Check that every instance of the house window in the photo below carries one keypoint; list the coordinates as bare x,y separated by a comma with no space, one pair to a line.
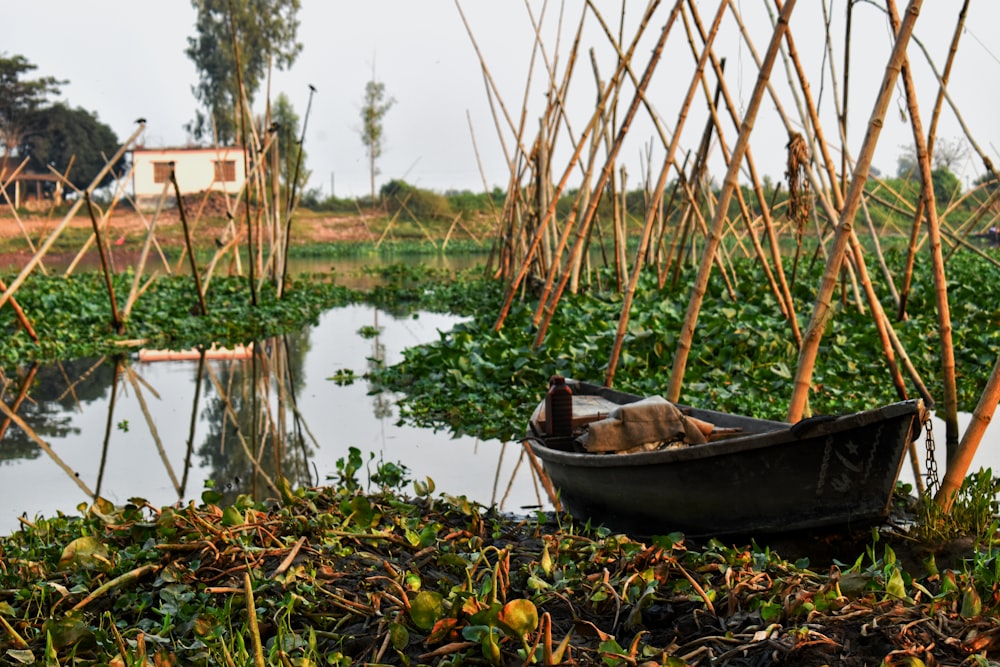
161,172
225,170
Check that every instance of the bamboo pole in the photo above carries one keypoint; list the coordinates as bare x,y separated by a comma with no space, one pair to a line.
937,258
13,207
116,320
19,312
105,220
730,183
981,418
108,425
188,243
822,309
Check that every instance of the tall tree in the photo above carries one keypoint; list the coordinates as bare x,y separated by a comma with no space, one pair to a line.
20,98
372,112
265,34
62,134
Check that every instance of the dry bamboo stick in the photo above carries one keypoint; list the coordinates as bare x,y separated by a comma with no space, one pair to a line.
822,309
647,230
19,312
946,74
234,417
188,243
981,418
116,320
816,126
144,254
730,183
937,258
108,424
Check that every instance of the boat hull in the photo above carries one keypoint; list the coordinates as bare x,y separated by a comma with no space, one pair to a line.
773,478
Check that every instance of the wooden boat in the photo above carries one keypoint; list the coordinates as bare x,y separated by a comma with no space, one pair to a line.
763,477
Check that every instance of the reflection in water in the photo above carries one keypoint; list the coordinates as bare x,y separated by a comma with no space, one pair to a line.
160,431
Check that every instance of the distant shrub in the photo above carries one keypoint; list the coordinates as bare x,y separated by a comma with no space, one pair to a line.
415,203
313,200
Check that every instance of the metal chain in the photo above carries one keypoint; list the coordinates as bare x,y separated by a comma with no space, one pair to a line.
933,483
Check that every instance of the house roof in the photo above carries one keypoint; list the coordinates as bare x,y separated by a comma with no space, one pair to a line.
187,149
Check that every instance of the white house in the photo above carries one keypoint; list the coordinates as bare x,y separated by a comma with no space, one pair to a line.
197,169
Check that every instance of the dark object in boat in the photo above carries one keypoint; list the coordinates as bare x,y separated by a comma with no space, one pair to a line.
764,477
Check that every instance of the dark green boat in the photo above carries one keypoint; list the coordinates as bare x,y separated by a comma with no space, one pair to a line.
762,477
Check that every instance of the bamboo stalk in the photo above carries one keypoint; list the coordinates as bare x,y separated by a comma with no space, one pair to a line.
116,320
822,309
188,243
730,183
781,294
108,425
937,258
19,312
958,466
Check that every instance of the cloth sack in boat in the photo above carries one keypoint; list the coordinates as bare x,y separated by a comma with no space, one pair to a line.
651,421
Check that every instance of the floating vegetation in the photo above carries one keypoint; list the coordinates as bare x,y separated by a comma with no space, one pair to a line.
339,576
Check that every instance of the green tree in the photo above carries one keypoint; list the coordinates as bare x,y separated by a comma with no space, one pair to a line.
20,98
63,134
946,186
373,110
265,32
289,142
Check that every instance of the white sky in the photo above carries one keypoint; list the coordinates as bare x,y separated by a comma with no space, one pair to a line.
125,59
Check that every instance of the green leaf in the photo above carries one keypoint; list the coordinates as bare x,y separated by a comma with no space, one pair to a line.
232,517
972,606
426,609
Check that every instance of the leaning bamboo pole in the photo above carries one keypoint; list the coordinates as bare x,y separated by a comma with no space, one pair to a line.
19,312
188,243
981,418
937,258
823,309
116,319
686,334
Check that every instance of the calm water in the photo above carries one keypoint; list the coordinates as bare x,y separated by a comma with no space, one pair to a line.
161,440
152,433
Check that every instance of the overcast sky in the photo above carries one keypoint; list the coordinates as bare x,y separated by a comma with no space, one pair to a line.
125,59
